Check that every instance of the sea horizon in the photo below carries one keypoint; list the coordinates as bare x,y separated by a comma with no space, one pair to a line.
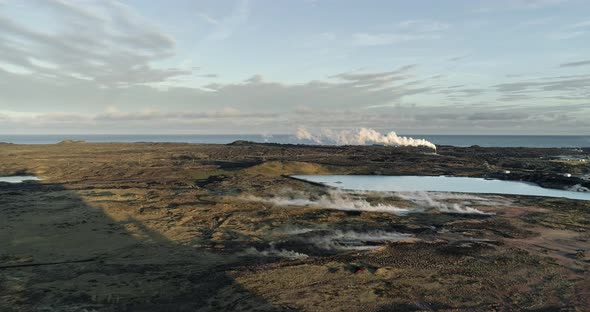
459,140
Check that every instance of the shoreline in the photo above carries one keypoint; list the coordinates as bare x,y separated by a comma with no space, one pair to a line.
548,175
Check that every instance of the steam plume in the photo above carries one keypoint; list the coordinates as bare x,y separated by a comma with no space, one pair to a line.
346,201
347,240
362,136
424,199
335,199
273,252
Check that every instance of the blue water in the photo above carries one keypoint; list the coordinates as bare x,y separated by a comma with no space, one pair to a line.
439,184
455,140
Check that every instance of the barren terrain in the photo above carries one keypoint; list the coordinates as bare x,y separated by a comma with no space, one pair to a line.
186,227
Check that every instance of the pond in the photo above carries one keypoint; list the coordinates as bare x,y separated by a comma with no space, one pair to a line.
18,179
438,184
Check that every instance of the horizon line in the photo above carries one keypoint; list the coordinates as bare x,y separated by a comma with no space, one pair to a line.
267,135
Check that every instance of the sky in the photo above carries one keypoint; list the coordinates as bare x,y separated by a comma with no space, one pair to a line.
270,67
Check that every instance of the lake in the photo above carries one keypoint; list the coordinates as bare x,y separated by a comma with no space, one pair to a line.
439,184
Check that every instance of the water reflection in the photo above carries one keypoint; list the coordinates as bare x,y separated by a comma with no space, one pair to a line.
439,184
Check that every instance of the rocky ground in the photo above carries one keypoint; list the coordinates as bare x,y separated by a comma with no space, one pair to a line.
180,227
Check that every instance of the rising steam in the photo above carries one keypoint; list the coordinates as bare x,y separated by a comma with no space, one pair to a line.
346,201
272,252
362,136
424,199
327,240
353,240
335,199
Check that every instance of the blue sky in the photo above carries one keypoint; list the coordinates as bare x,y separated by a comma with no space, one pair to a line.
262,66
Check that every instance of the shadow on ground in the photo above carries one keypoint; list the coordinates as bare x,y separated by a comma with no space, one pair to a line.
60,253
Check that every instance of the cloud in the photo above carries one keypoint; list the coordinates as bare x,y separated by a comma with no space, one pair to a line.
583,24
506,115
458,58
572,83
377,39
376,79
226,26
571,31
405,31
417,119
535,22
423,26
565,35
491,117
208,19
106,42
342,91
534,4
503,5
461,92
125,119
209,76
396,99
146,115
575,64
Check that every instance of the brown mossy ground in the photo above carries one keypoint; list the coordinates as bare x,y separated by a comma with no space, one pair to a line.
174,227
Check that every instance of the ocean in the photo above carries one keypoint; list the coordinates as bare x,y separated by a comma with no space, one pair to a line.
455,140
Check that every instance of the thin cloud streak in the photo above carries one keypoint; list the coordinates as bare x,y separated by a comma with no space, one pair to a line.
575,64
104,42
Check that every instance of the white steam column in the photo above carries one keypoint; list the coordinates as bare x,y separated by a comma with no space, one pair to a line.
362,136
